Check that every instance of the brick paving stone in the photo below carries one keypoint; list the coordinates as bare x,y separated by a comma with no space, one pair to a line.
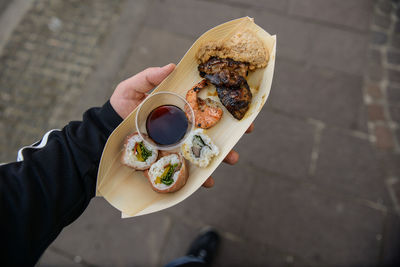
390,163
393,76
349,56
101,238
313,92
349,165
385,6
375,72
381,21
284,145
384,137
395,41
334,11
375,55
188,17
374,91
378,38
397,134
289,31
376,112
322,229
393,95
397,27
222,206
395,114
393,57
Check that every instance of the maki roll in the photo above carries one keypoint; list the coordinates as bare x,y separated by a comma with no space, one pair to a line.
199,149
168,174
137,154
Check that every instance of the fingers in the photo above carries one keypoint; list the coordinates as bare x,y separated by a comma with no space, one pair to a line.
232,158
250,129
149,78
209,182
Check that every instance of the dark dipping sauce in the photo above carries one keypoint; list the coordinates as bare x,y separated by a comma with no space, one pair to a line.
166,125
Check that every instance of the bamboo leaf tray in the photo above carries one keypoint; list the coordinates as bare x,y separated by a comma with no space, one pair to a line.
128,190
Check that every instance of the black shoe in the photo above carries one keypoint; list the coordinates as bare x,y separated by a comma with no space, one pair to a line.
205,246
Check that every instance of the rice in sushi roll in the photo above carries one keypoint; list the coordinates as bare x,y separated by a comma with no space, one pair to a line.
168,174
137,154
199,149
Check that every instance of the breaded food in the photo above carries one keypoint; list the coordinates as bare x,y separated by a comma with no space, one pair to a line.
137,154
199,149
244,46
168,174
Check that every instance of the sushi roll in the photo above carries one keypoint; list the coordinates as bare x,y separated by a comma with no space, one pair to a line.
168,174
199,149
137,154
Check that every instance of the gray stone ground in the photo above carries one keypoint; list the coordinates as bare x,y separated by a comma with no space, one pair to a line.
321,191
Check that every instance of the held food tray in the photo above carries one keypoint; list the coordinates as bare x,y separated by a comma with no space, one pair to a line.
128,190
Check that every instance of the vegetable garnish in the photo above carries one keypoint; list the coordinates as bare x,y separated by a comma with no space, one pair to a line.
198,144
141,152
166,177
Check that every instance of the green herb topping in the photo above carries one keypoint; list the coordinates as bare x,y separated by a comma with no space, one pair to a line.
141,152
166,177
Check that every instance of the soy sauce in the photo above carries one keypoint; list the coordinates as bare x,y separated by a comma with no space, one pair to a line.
166,125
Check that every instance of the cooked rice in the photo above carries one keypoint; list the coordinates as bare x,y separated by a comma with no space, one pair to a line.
157,169
130,158
207,152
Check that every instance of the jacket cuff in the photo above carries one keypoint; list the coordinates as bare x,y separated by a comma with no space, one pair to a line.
109,117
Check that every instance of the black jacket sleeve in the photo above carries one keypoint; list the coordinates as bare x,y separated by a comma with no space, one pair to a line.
51,186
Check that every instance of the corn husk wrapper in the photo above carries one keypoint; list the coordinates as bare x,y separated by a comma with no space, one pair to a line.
128,190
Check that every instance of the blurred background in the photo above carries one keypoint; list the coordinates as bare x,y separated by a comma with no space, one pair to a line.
318,181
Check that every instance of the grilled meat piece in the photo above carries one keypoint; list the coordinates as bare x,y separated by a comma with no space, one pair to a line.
236,101
228,76
224,72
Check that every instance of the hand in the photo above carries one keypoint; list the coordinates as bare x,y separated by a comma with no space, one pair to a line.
131,92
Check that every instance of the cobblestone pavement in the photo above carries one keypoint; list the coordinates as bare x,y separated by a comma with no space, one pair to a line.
46,61
324,188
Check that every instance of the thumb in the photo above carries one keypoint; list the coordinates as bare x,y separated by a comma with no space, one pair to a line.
149,78
157,75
